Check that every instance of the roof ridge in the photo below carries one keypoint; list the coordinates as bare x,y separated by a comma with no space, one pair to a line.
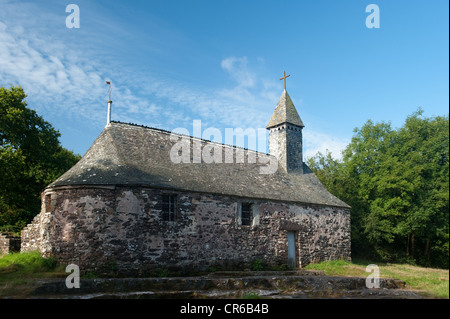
190,136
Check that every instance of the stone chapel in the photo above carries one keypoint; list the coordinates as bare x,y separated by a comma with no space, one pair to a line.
126,205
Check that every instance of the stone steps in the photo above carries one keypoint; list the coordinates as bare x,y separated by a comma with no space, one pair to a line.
293,284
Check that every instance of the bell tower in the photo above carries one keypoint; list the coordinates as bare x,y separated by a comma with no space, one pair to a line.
285,134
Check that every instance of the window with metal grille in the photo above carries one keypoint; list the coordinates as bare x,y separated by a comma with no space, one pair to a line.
169,212
246,214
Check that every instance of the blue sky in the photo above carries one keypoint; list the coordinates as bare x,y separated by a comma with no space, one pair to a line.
172,62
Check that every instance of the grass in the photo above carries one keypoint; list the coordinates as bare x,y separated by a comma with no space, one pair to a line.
251,295
26,263
18,271
428,282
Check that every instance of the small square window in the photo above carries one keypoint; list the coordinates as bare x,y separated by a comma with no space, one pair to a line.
169,211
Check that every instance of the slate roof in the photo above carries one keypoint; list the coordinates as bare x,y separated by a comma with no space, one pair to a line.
285,112
128,154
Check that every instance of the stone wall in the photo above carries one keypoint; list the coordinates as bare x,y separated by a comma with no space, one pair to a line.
35,235
121,229
9,243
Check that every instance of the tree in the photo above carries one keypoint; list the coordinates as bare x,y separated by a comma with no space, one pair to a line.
397,184
30,158
425,146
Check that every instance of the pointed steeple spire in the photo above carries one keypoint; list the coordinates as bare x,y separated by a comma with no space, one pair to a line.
285,134
285,112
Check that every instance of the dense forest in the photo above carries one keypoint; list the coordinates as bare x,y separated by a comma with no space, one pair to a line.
397,183
31,157
395,180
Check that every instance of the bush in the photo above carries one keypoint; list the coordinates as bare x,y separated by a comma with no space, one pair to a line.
258,265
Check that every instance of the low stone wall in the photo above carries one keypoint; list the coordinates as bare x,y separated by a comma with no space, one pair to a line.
121,230
277,284
9,243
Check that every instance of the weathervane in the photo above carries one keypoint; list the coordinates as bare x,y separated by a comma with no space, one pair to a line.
284,78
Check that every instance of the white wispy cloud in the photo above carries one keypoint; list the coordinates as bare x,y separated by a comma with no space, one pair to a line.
67,81
315,142
237,67
51,79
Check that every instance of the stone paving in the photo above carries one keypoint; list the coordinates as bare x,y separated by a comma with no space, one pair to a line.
300,284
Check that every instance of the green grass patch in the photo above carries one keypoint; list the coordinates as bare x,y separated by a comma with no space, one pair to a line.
336,268
18,271
26,263
429,282
251,295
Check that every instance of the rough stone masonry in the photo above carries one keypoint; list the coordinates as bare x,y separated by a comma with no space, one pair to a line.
125,206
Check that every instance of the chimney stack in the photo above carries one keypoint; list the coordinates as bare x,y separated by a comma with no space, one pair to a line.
108,120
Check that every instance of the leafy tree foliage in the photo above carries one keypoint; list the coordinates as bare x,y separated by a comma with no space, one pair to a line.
31,157
397,183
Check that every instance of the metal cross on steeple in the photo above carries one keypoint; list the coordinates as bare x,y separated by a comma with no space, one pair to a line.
284,78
